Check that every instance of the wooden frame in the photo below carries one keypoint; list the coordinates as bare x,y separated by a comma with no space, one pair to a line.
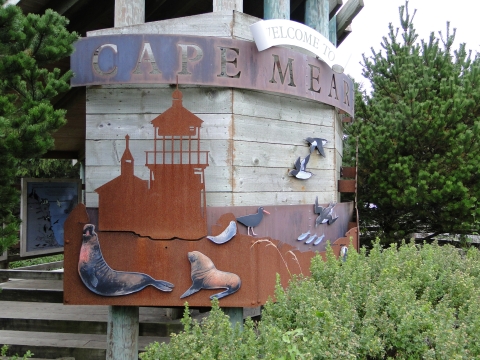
45,205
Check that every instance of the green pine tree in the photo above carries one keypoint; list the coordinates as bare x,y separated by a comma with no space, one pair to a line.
28,47
419,136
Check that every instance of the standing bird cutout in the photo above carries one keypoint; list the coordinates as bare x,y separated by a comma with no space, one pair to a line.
316,143
325,215
252,220
300,171
101,279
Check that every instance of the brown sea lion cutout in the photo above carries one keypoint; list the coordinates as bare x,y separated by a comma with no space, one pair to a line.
206,276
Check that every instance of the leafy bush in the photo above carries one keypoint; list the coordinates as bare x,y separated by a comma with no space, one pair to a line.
408,302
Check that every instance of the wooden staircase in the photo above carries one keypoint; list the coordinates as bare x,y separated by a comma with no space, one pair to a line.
33,317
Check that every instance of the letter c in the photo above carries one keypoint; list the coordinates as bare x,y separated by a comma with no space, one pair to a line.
96,54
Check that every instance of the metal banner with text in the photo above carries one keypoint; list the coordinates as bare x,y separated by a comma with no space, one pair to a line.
209,61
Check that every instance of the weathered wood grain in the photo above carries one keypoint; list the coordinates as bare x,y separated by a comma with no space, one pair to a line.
277,180
317,15
116,126
279,155
31,274
252,199
129,12
276,9
109,152
155,100
251,128
220,5
346,14
287,108
210,24
221,153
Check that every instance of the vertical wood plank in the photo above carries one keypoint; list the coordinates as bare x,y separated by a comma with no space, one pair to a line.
122,333
276,9
333,31
129,12
317,15
220,5
236,316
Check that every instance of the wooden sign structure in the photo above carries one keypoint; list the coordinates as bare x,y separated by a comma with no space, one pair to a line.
158,229
214,155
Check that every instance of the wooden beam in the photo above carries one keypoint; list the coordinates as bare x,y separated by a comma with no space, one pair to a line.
344,35
334,6
122,333
317,16
346,14
276,9
129,12
220,5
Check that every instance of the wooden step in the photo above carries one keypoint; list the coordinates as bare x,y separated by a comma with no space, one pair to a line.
54,345
33,290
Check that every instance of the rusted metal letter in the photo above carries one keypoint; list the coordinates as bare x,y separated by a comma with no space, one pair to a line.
224,61
96,68
146,55
185,59
333,86
314,78
289,68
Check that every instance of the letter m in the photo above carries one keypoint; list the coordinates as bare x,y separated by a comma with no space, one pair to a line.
289,68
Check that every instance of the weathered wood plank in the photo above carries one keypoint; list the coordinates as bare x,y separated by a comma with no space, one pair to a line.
109,152
346,14
276,9
277,180
334,6
31,274
116,126
221,5
122,333
268,155
265,105
317,15
251,128
215,24
246,153
217,178
241,25
129,12
155,100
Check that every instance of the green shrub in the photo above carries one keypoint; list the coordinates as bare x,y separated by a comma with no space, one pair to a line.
408,302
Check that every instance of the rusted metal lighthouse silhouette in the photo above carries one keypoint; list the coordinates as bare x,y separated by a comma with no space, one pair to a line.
174,203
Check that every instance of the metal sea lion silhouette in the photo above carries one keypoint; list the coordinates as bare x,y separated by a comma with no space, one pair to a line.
99,278
206,276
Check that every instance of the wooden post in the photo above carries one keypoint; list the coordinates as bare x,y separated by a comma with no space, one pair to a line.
219,5
236,316
129,12
122,333
333,31
317,15
276,9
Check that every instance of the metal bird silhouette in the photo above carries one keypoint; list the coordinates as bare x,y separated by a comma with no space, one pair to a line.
325,214
252,220
300,171
316,143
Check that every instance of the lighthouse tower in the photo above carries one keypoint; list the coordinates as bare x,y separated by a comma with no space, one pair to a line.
177,181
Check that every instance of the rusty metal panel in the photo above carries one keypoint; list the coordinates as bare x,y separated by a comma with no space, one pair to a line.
154,59
172,204
348,172
256,260
347,186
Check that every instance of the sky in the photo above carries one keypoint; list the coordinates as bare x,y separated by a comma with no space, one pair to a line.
371,24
